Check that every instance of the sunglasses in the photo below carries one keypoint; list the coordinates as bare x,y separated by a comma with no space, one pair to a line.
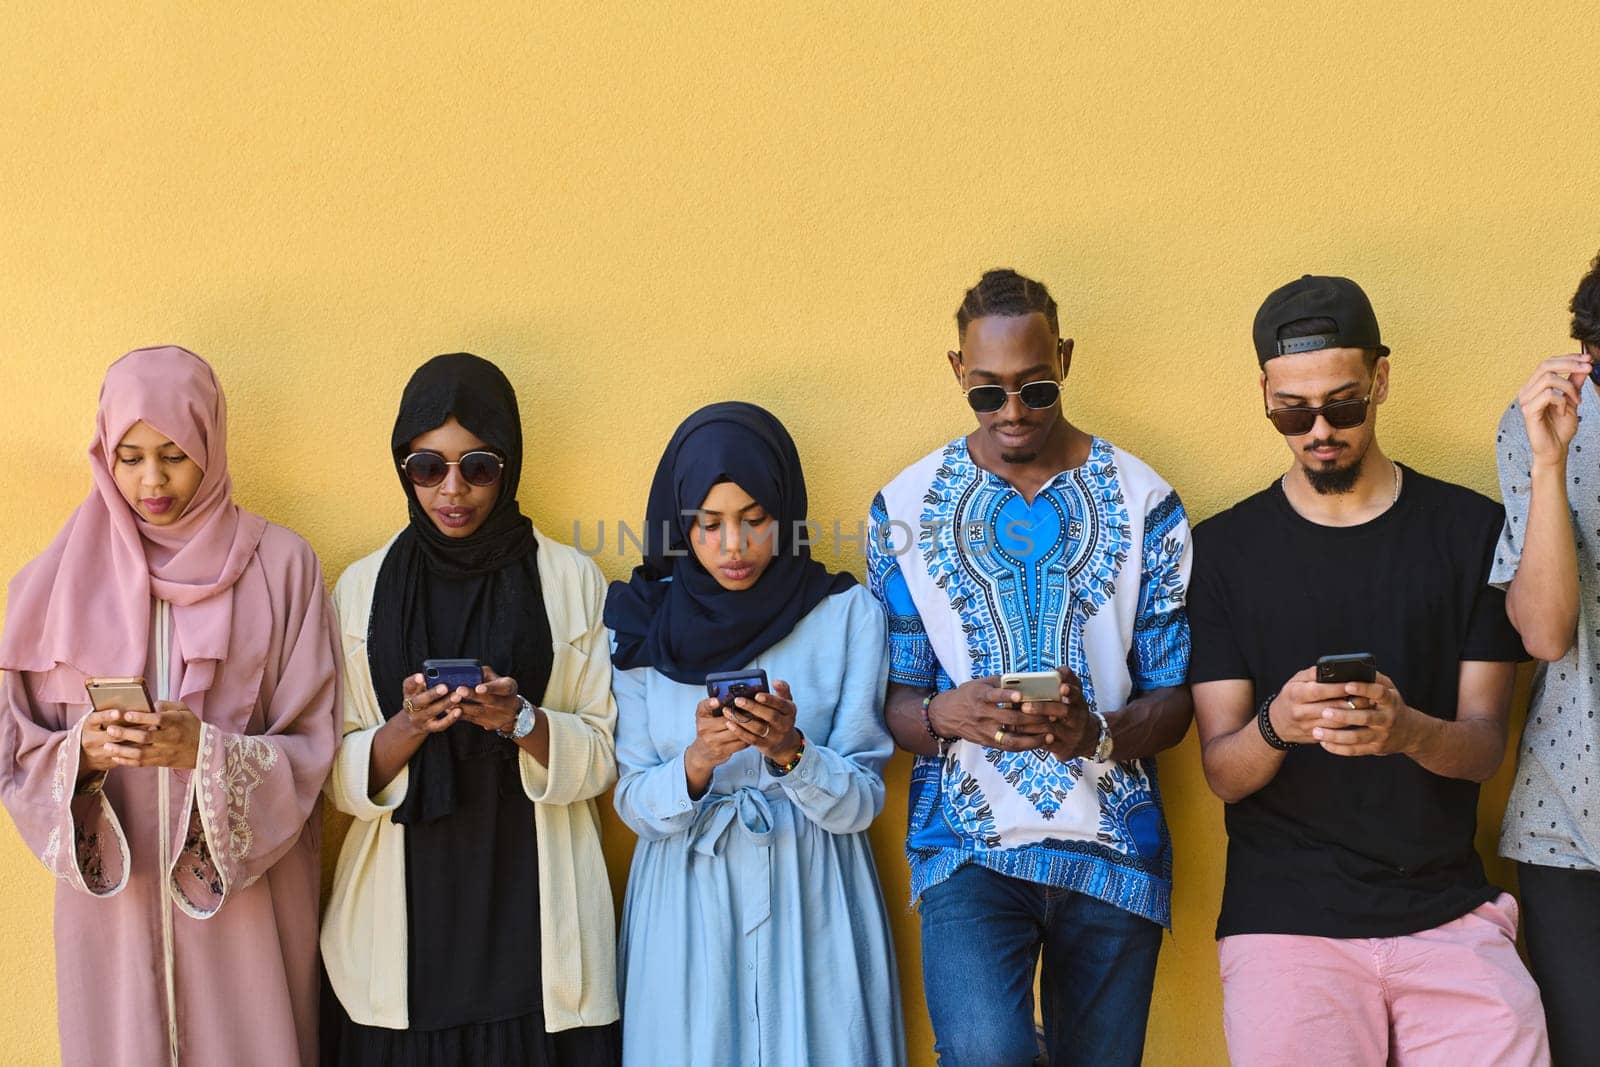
1341,415
986,399
428,469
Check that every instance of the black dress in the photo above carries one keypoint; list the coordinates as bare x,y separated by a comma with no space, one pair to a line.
474,995
472,901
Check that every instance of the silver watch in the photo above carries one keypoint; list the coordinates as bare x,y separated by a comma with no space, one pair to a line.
1102,748
527,718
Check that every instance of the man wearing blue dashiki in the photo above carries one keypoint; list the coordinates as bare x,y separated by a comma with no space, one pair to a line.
1036,825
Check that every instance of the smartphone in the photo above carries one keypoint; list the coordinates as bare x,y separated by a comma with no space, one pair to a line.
1347,667
1033,685
128,694
454,673
728,686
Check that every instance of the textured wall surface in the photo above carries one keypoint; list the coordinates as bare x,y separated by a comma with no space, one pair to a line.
639,212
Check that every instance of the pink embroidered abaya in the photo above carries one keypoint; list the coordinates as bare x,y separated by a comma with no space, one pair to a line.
186,901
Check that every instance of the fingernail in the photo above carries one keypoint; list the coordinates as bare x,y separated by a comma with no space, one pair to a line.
1317,734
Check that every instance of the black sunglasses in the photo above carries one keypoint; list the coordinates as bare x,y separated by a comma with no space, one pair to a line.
1341,415
1036,395
428,469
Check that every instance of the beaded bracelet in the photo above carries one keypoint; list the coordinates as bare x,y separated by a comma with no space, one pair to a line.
927,723
781,769
1264,724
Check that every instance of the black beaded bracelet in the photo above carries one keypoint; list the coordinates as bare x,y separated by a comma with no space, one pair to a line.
1264,721
780,769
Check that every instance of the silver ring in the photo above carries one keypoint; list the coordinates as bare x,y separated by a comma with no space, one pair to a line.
1350,701
767,731
1003,704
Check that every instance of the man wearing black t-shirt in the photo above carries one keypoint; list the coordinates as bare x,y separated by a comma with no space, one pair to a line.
1357,925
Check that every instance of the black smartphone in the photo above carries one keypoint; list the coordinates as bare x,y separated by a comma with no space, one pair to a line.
1347,667
454,673
728,686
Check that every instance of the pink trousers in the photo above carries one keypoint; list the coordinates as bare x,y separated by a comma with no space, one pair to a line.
1456,996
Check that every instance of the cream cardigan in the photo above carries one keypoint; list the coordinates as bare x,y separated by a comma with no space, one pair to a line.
364,929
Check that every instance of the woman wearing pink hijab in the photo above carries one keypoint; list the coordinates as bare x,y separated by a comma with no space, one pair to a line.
186,838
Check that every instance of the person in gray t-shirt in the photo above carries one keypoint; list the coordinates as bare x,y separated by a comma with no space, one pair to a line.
1548,561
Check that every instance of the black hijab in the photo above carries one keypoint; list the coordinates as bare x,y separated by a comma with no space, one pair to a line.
474,597
672,614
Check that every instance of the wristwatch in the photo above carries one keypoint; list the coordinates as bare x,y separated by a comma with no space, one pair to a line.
527,719
1102,748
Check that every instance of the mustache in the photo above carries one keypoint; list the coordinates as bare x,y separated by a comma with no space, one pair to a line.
1329,443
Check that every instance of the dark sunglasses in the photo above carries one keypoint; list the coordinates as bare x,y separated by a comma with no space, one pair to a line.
1341,415
990,398
428,469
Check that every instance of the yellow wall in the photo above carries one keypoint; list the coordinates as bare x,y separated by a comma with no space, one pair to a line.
642,211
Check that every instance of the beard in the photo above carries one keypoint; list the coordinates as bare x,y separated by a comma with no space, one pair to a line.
1332,481
1019,457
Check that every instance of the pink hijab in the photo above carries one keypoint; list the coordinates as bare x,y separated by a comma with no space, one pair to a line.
85,603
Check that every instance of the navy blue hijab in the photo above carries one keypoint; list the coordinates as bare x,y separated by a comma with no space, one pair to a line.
672,614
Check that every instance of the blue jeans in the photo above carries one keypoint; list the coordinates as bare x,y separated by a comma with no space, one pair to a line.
982,934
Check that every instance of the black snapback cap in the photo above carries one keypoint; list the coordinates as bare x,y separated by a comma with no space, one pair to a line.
1317,297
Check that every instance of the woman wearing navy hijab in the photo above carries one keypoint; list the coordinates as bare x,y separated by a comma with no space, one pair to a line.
754,929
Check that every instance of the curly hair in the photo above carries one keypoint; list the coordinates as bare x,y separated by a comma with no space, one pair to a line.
1585,306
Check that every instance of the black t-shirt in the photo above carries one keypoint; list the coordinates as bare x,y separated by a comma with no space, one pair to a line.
1342,846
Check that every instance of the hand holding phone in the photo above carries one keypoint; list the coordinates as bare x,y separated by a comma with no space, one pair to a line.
728,686
127,730
1065,714
1033,685
124,694
1373,719
424,709
454,673
107,726
1347,667
496,703
714,744
1315,699
767,722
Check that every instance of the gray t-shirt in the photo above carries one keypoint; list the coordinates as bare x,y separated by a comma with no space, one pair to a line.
1553,816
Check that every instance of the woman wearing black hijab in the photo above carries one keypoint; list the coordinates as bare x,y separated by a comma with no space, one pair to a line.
754,929
471,917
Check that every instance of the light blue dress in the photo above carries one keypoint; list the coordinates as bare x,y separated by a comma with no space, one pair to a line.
754,930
